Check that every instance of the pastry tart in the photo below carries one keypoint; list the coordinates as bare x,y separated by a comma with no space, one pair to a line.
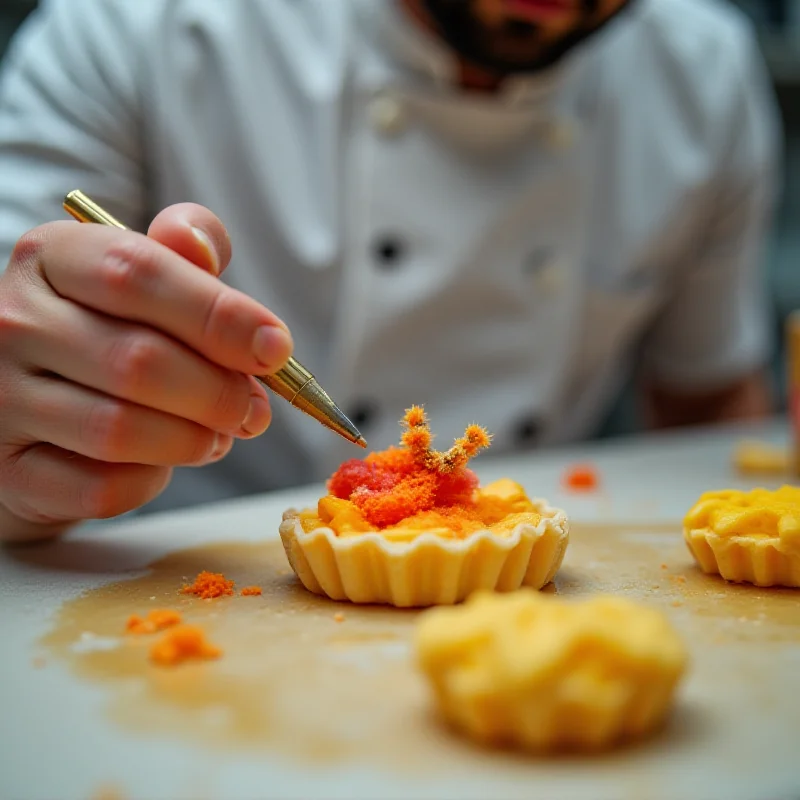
539,673
410,526
751,537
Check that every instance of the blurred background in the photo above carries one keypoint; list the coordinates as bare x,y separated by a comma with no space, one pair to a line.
778,24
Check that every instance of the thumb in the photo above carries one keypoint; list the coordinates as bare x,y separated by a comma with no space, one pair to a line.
193,232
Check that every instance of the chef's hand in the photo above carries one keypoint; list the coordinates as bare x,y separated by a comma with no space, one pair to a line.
120,359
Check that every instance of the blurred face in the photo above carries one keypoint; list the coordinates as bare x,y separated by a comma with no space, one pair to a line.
507,36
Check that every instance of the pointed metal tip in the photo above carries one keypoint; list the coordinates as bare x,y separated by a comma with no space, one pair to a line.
361,442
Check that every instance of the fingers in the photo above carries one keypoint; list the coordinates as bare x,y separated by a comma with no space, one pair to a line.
193,232
47,484
130,276
142,366
115,431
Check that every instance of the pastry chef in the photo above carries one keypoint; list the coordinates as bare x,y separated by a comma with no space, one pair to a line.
497,208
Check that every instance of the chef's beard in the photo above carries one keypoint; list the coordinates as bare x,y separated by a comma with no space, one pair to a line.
487,48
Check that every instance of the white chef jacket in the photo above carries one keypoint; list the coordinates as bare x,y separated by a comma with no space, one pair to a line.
499,258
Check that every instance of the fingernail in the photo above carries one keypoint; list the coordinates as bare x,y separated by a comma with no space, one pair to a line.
222,446
272,346
208,246
258,416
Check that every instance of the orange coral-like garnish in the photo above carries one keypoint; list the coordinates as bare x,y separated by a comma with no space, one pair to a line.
397,483
208,585
156,620
417,438
251,591
181,643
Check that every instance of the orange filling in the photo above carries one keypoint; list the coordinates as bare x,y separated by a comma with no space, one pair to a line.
407,490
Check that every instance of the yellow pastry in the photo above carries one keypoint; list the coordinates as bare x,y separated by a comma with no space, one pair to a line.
761,458
544,674
411,526
751,537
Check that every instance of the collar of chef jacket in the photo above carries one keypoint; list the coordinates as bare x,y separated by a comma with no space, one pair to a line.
416,49
532,123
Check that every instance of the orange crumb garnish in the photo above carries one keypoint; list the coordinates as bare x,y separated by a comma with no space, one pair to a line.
251,591
108,793
676,603
155,620
663,566
677,578
581,477
208,585
338,617
181,643
397,483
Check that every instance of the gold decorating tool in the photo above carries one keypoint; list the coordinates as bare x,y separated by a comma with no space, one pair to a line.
293,382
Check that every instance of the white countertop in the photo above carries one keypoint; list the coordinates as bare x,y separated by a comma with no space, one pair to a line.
57,742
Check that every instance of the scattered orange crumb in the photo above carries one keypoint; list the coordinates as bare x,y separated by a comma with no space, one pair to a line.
663,566
677,578
251,591
581,478
208,585
156,620
181,643
676,603
38,662
338,617
108,793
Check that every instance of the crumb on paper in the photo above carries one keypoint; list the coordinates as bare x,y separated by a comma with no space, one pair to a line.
181,643
676,603
154,621
663,566
38,662
677,578
208,585
752,457
338,617
581,478
108,792
251,591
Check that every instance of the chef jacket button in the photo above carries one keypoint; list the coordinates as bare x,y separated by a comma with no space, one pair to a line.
388,114
527,431
388,251
551,277
545,269
537,260
363,413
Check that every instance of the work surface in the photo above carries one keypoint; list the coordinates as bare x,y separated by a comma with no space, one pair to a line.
305,703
